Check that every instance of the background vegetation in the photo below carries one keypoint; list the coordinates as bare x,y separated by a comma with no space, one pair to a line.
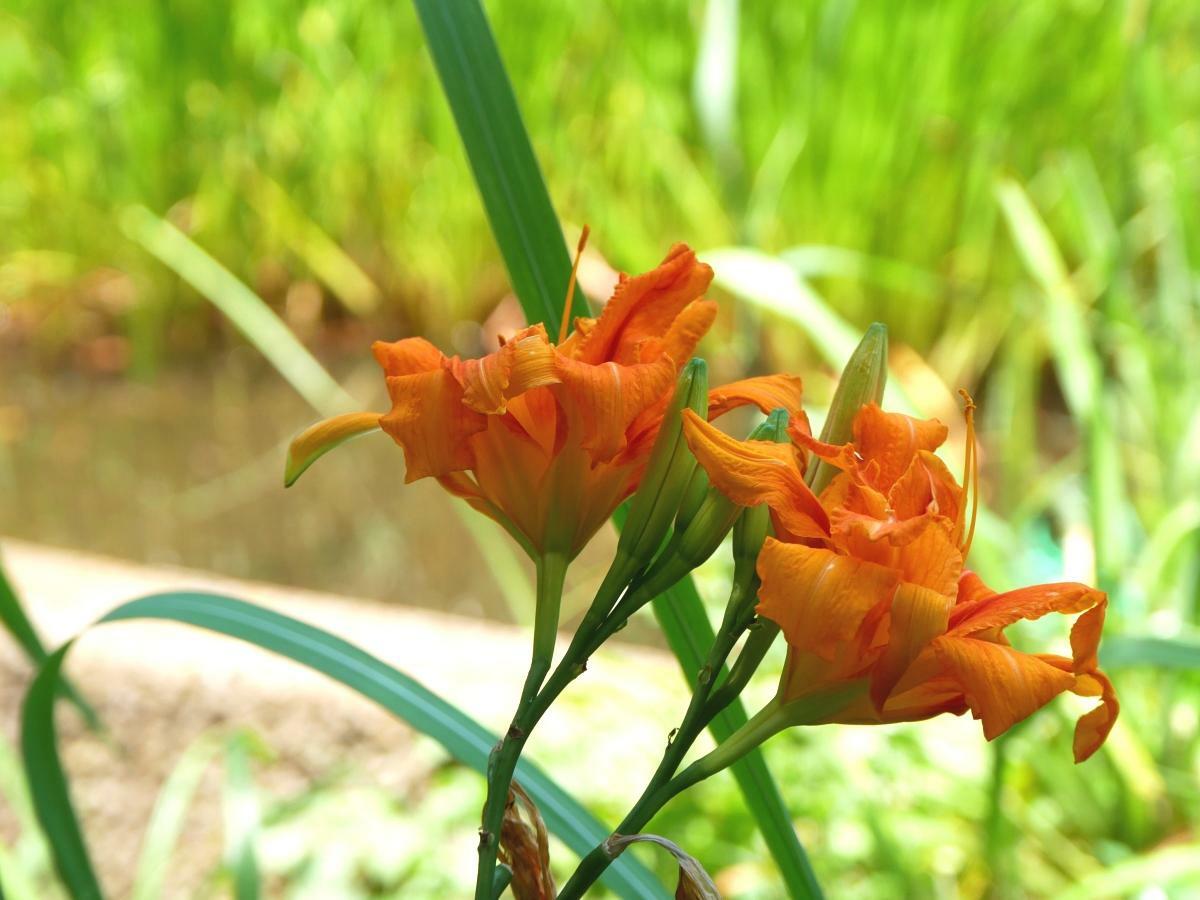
1012,187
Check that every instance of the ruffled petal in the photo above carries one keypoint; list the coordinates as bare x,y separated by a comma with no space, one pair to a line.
1032,602
407,357
537,412
1085,636
843,456
754,472
925,487
644,307
818,598
687,330
607,398
971,590
918,615
430,421
892,440
767,392
524,362
1002,686
1093,727
932,558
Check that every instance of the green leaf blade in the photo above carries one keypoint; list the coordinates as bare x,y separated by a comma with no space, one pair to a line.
501,156
462,736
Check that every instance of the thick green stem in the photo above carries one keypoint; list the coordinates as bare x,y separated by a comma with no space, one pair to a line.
758,641
551,573
662,786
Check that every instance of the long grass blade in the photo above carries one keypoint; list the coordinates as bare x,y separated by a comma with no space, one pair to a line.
507,173
169,816
462,737
242,817
245,309
17,623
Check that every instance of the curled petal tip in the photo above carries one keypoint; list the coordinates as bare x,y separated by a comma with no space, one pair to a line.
317,440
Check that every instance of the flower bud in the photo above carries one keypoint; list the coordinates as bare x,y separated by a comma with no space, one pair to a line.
693,496
668,471
704,531
862,382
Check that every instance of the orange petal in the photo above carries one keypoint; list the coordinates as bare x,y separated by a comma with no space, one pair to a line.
537,412
892,440
925,487
524,362
1002,686
644,308
918,615
1085,636
972,590
687,329
407,357
754,472
607,398
1032,602
818,599
767,392
841,455
932,559
430,421
317,440
1093,727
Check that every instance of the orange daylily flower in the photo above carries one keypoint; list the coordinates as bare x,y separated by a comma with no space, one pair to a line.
868,584
549,438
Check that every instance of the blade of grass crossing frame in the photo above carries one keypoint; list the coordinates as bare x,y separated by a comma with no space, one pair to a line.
242,816
506,171
16,621
169,818
530,238
464,738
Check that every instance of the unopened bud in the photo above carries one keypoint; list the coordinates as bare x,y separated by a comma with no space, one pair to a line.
668,471
862,382
693,497
706,529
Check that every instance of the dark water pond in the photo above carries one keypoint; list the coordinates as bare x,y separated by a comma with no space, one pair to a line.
187,471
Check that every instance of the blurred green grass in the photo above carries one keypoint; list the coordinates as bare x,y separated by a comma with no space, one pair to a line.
1014,188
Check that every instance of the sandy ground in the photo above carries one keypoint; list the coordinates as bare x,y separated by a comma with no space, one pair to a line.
159,686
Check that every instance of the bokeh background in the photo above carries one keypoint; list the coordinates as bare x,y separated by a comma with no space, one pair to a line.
1014,188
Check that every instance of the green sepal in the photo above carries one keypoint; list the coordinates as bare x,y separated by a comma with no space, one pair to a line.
862,382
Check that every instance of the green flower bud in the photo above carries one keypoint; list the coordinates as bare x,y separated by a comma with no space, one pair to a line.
749,533
668,471
862,382
693,496
704,531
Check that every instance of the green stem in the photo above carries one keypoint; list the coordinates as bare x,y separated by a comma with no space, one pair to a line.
661,789
769,721
758,641
551,573
661,786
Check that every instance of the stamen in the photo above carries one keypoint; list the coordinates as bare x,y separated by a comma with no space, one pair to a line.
970,474
566,316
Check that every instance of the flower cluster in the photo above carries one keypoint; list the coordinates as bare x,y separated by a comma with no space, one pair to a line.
869,585
865,573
